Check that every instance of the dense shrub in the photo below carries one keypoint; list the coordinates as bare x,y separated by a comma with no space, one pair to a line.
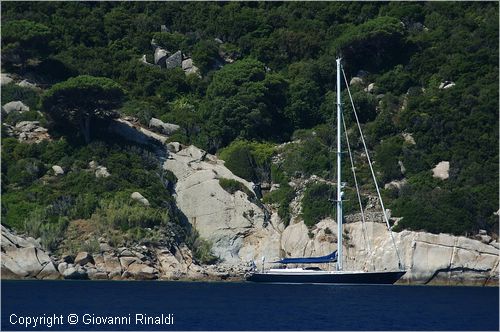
282,197
387,155
317,204
232,186
38,224
249,160
312,156
201,248
122,215
25,171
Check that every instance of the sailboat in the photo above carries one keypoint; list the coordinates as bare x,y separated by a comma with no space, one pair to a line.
314,274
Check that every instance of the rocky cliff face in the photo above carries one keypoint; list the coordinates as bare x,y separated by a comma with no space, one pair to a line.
238,228
25,258
428,258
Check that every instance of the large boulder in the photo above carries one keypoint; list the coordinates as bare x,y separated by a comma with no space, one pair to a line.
299,241
189,67
110,264
139,271
428,258
28,84
136,196
58,170
25,258
235,223
356,81
5,79
15,106
446,85
441,170
83,258
161,55
174,61
75,272
396,184
144,60
162,127
371,88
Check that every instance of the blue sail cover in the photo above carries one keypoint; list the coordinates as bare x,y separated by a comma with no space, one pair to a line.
310,260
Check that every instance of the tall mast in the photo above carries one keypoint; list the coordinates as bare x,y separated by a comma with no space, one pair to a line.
339,183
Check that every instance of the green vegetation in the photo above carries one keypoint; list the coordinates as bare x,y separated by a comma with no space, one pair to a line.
249,160
282,197
313,155
202,249
82,100
41,223
232,186
278,86
23,40
317,204
122,215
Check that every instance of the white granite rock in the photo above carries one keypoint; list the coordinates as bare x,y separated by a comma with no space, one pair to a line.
139,198
83,258
441,170
136,133
58,170
102,172
160,56
5,79
231,222
164,128
15,106
24,258
356,80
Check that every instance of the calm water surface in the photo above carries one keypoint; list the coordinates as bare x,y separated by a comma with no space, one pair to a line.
244,306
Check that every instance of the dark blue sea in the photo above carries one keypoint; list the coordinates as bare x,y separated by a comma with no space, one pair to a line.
148,305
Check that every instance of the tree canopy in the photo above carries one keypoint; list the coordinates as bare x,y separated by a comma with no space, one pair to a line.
23,39
82,100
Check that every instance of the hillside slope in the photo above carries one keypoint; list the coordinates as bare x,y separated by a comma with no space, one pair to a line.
139,123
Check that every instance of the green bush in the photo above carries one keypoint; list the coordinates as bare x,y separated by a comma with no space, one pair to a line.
232,186
201,248
205,54
39,225
249,160
84,206
387,155
316,204
312,156
283,197
171,41
122,215
25,171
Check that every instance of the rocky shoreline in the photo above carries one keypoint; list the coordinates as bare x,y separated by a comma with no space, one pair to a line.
24,258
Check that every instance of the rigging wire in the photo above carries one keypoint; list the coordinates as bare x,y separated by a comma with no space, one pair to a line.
363,223
373,173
